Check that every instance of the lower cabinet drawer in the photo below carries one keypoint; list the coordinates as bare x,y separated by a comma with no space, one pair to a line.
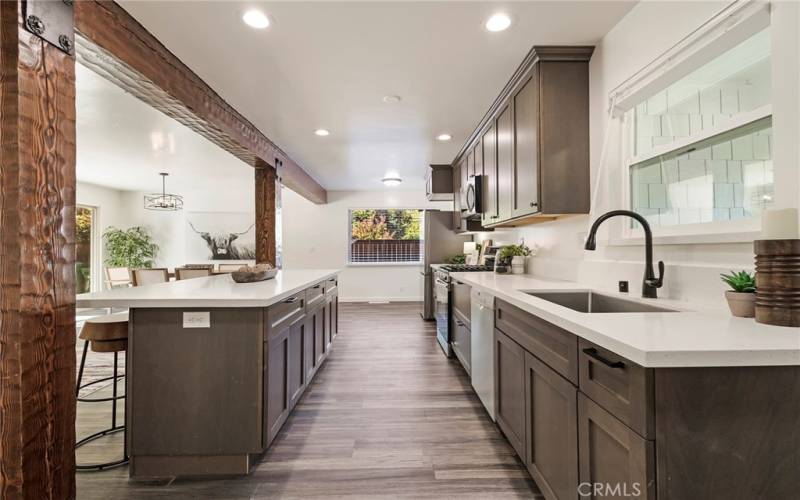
553,345
285,312
623,388
614,461
315,294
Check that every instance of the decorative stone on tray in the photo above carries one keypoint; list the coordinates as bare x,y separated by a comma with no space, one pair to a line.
251,274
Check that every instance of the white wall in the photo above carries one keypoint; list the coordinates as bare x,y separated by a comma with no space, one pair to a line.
316,236
124,209
109,212
692,270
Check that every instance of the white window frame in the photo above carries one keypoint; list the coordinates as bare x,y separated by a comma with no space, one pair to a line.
348,228
731,26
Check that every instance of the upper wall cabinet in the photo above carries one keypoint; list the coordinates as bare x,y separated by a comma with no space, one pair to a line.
535,141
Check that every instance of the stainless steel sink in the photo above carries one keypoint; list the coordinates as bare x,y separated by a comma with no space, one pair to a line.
591,302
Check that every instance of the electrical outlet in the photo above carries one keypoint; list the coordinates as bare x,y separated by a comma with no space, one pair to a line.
623,286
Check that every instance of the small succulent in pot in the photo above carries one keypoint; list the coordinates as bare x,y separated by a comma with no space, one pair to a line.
741,297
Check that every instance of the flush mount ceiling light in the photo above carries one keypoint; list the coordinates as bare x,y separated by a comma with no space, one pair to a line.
443,137
391,181
392,99
498,22
255,19
163,201
322,132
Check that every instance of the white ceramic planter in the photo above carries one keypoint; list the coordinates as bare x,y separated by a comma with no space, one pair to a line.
518,264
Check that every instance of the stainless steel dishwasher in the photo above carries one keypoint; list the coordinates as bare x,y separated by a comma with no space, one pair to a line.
482,312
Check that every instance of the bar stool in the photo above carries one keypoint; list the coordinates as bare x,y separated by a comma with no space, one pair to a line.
108,333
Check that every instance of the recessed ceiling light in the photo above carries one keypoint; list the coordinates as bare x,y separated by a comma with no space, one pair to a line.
392,181
322,132
498,22
443,137
255,19
391,99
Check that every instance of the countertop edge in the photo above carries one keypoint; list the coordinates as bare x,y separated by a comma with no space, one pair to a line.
200,303
650,359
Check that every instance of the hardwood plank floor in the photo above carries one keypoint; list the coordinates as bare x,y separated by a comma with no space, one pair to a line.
388,416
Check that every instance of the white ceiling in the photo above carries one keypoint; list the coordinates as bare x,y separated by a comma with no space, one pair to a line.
329,64
123,143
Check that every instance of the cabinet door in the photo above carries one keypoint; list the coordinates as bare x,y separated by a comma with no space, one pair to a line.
296,367
477,166
509,390
310,358
276,386
551,425
462,343
335,309
328,325
614,460
457,221
319,336
467,171
462,300
505,160
489,176
525,181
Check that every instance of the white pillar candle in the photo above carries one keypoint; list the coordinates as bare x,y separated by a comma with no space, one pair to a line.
779,224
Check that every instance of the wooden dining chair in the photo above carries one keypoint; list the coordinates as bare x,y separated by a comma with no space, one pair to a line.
185,273
118,277
150,276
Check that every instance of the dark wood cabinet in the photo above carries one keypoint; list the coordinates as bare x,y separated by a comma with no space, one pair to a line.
458,222
525,178
318,326
551,422
505,164
489,141
541,120
612,455
276,388
509,389
310,364
461,343
296,369
590,423
466,173
477,166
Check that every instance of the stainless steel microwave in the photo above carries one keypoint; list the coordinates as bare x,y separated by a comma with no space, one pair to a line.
473,197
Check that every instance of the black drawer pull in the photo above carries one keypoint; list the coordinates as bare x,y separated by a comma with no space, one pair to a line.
316,286
592,353
290,300
459,323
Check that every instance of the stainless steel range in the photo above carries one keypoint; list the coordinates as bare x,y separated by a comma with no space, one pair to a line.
442,292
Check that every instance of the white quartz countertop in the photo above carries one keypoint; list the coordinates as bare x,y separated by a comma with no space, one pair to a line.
213,291
688,338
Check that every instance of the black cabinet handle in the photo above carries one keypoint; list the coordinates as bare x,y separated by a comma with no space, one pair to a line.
533,204
316,286
459,323
290,300
592,353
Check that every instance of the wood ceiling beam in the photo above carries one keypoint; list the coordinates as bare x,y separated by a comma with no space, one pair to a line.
112,43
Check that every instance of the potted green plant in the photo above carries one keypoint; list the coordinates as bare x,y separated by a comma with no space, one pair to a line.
514,256
132,248
741,297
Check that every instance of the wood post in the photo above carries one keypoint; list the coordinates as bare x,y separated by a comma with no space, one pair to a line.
266,248
37,259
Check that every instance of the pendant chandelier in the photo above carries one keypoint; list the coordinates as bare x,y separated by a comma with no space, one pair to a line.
163,200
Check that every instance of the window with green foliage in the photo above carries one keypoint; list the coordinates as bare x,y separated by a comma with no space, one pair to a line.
386,235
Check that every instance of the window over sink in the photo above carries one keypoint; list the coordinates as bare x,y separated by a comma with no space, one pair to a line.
386,236
702,147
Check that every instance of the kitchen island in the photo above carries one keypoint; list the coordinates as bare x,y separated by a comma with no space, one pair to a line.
647,398
215,367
